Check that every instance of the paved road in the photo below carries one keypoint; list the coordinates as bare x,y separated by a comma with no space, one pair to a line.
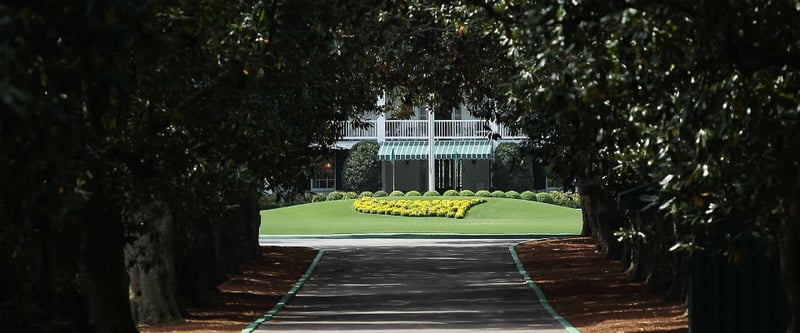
404,285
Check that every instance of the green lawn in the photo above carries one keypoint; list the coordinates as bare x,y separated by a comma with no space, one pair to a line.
497,216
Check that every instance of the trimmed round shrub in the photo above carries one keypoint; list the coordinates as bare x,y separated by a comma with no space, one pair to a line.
431,194
350,195
335,195
466,193
380,194
319,197
498,194
544,197
451,193
396,193
528,195
483,193
366,194
512,195
413,193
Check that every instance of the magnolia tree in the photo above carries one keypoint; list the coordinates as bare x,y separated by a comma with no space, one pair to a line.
687,95
137,135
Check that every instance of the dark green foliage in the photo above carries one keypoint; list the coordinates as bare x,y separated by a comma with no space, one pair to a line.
511,168
362,170
268,201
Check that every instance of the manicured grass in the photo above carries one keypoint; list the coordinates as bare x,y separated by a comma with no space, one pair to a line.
497,216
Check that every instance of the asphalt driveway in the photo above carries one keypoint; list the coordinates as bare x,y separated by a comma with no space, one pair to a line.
419,285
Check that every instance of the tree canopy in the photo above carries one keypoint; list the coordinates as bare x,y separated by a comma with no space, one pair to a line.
114,110
691,96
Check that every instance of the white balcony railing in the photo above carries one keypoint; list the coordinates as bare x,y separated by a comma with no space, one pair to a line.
381,130
369,133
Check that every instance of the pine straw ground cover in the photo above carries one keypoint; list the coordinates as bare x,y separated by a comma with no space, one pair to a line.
588,290
592,293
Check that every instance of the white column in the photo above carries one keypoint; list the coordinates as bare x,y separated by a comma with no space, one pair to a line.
431,155
380,127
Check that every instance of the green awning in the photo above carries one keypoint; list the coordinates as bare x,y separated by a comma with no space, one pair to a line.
443,150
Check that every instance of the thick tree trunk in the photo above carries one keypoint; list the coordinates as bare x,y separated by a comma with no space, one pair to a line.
789,245
151,267
587,210
104,279
226,243
604,219
649,259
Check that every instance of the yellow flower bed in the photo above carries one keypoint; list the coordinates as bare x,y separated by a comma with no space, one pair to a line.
445,208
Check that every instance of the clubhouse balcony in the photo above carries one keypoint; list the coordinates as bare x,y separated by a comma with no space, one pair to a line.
382,130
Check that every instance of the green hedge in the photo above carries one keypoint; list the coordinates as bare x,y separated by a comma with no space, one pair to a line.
528,195
319,197
567,199
335,195
545,197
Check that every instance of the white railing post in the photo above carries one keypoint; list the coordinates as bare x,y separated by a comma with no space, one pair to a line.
431,155
380,127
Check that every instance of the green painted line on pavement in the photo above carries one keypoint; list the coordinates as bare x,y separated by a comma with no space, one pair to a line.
416,236
539,293
285,299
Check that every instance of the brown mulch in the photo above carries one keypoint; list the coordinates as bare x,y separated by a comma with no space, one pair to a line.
583,287
247,296
592,293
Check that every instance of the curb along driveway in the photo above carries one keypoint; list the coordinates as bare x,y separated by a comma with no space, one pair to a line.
412,285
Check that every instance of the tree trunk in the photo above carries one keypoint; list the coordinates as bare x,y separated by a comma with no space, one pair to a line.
650,260
603,218
789,245
104,279
151,267
587,210
226,243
